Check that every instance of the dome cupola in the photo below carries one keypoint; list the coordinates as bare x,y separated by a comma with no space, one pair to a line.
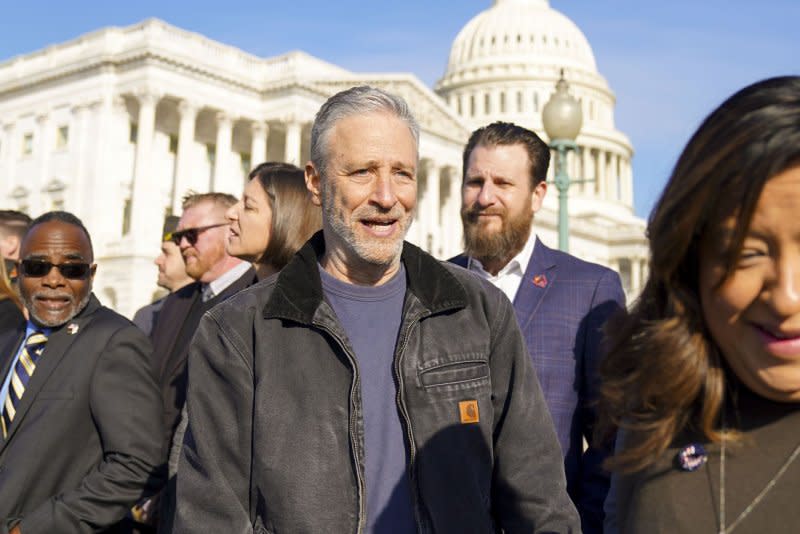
512,35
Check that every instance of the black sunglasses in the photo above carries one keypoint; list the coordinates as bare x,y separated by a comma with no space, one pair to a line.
191,234
39,268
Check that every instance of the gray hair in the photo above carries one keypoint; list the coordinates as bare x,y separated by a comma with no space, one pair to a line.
355,101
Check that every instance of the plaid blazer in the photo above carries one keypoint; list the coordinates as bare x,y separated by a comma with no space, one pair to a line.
561,306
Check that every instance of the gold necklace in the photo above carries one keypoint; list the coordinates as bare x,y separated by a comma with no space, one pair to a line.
723,529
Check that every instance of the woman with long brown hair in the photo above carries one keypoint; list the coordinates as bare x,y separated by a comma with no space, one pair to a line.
703,375
273,219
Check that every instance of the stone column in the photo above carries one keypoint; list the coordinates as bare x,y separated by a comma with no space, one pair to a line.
463,98
628,181
147,213
451,218
9,153
430,208
79,134
43,149
294,130
222,170
636,275
645,270
109,148
586,156
258,147
494,99
602,175
183,165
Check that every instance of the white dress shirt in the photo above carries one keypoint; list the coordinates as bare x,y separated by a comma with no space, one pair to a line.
215,287
510,276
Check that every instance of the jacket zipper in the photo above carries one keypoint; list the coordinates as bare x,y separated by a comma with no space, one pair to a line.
353,386
400,399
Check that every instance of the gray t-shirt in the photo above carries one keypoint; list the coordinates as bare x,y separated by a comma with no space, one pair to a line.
371,317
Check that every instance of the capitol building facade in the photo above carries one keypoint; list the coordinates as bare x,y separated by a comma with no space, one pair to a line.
117,125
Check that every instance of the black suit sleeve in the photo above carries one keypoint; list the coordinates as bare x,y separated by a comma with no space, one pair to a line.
126,407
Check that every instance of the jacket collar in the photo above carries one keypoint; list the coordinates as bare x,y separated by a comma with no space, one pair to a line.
298,289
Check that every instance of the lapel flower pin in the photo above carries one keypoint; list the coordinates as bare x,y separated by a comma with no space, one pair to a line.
540,280
691,457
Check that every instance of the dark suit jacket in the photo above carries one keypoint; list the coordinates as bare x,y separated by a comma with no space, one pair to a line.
146,317
561,306
10,317
86,441
177,321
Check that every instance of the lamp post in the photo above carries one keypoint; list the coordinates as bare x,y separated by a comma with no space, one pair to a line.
562,118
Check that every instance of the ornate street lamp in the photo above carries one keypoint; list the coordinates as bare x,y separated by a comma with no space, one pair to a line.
562,118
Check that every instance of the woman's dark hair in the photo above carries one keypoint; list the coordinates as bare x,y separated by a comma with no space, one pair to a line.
294,217
663,371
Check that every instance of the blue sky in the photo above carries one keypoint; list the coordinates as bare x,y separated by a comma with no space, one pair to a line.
669,63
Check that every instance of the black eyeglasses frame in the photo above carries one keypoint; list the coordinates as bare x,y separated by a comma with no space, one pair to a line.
39,268
192,234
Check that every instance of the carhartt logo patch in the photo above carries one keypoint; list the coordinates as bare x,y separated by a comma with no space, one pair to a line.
469,411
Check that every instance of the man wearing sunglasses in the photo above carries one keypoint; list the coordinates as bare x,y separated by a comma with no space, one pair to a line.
201,236
171,276
80,409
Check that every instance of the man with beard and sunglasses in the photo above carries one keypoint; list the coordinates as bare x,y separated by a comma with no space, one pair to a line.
80,408
201,236
561,302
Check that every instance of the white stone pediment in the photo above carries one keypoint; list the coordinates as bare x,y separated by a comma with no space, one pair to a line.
430,111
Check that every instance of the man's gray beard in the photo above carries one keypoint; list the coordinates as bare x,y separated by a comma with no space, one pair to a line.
49,324
365,252
495,246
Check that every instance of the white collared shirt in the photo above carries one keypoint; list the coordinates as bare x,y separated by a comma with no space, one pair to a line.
215,287
509,278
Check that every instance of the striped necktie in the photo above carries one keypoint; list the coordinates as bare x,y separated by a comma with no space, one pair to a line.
21,375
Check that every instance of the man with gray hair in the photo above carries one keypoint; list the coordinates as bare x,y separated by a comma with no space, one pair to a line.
367,387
